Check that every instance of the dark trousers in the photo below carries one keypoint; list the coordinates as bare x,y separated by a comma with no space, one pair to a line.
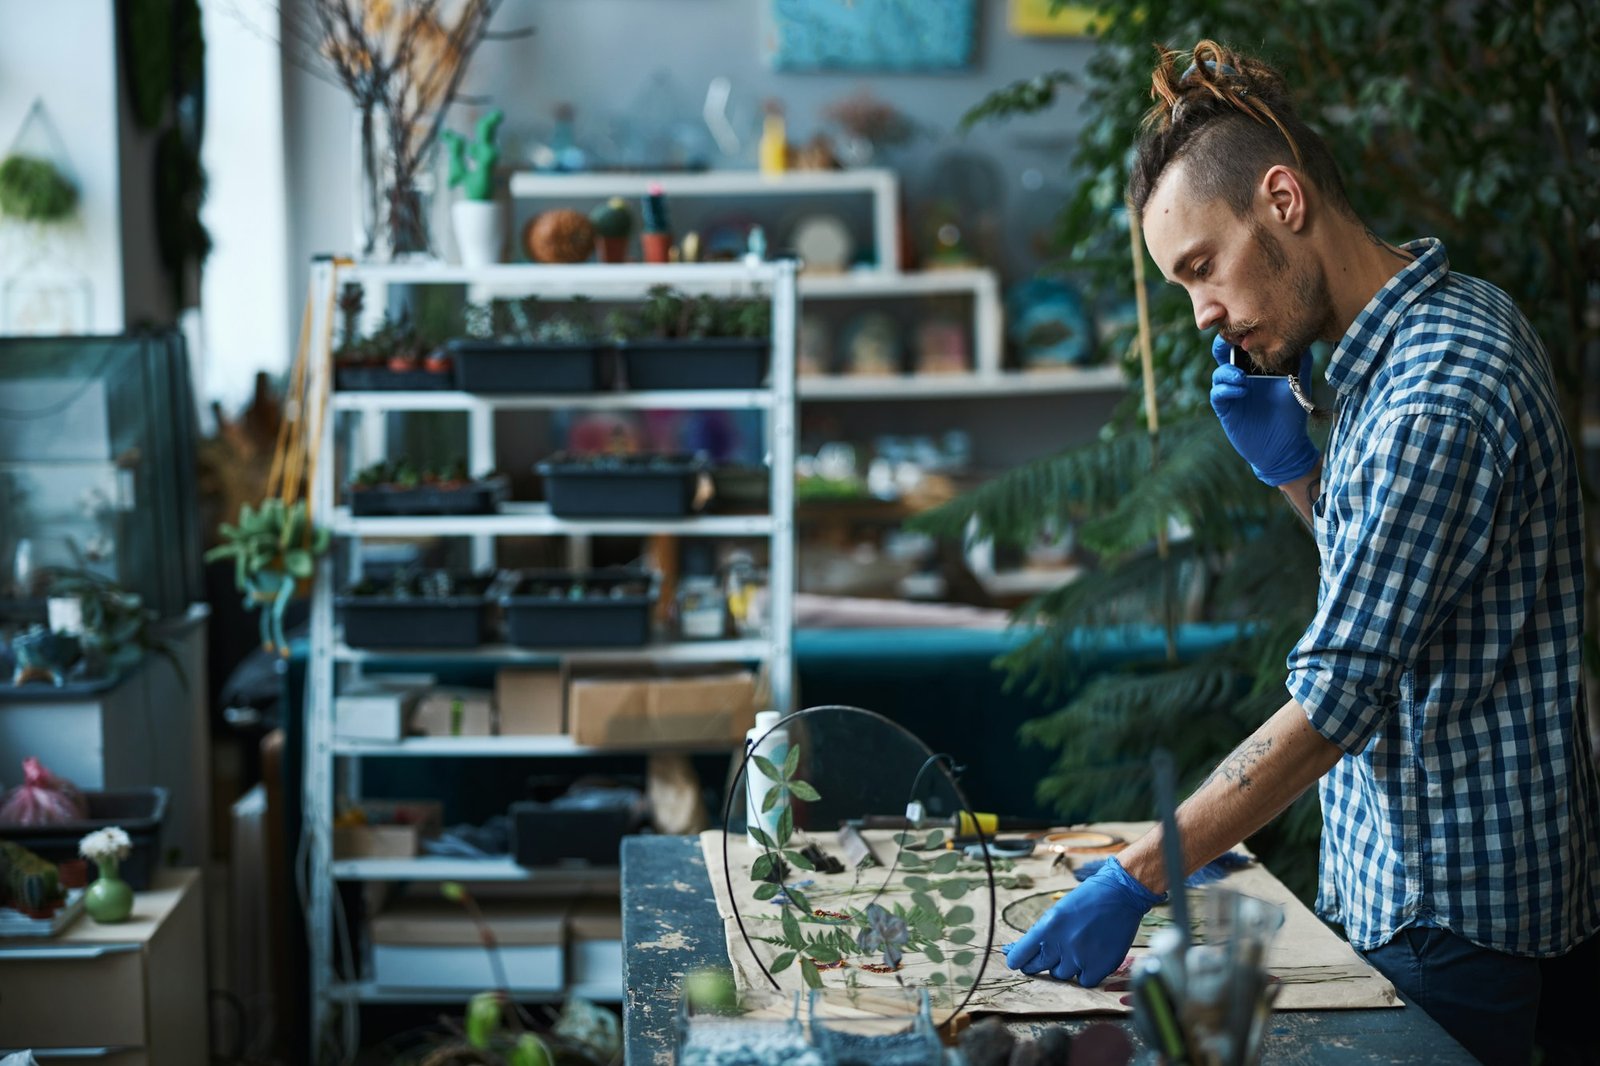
1500,1007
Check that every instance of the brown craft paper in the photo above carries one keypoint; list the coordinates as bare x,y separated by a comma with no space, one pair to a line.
1318,971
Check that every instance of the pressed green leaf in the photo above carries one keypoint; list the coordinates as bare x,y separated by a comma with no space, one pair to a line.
799,899
934,839
785,825
765,890
782,962
946,863
770,800
791,760
905,840
808,970
797,859
960,914
961,936
933,952
937,978
761,869
767,767
917,881
924,901
802,790
791,930
761,837
954,889
963,958
822,952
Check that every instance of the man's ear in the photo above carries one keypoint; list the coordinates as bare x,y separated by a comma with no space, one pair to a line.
1285,197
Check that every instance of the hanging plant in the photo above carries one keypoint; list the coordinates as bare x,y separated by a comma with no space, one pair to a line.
272,549
33,190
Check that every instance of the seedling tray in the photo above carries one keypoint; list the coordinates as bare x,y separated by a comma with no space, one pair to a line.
382,379
489,366
629,486
414,621
613,610
139,811
467,498
706,363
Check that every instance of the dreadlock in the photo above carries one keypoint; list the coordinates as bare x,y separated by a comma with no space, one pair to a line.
1229,117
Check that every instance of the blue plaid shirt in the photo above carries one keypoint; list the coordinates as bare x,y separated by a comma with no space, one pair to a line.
1445,654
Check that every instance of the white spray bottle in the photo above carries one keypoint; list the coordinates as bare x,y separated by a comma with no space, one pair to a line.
775,747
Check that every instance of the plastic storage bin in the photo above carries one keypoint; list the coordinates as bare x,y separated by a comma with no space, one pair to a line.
458,620
139,811
706,363
486,366
382,379
623,486
481,496
612,609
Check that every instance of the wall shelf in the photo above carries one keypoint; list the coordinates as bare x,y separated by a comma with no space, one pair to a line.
535,520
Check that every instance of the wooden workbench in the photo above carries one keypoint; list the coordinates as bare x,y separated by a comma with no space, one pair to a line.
670,927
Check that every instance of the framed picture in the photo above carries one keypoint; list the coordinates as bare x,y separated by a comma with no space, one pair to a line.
1044,18
892,36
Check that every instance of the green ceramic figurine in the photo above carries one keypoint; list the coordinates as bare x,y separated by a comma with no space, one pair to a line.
472,163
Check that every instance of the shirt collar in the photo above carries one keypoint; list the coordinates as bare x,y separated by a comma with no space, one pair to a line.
1359,348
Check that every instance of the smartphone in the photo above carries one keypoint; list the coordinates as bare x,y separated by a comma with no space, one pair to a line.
1238,357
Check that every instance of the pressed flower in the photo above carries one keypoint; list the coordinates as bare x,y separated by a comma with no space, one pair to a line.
886,932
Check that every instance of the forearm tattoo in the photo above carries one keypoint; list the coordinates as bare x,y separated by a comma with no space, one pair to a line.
1308,516
1239,766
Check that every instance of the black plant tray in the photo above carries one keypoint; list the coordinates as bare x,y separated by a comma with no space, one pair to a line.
138,811
629,486
414,621
490,366
472,497
705,363
612,612
382,379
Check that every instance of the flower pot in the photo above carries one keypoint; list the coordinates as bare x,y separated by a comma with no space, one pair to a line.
656,247
109,899
613,249
480,231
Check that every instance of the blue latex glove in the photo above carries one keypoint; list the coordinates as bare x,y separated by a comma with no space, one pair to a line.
1264,422
1088,933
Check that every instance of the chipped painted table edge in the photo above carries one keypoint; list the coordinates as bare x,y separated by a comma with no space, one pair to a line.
670,926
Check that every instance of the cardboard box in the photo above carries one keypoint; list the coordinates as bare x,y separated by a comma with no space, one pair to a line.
435,713
594,944
632,712
421,945
394,829
375,710
531,702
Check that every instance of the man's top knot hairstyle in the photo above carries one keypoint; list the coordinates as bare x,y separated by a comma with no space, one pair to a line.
1229,115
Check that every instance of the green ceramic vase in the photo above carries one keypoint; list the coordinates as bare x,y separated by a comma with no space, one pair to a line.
108,899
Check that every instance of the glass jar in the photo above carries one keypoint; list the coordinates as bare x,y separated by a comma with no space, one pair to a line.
745,588
702,611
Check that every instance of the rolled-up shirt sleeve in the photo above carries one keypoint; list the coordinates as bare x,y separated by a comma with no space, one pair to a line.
1408,527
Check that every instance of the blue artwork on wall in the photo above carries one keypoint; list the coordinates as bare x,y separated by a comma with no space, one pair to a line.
878,35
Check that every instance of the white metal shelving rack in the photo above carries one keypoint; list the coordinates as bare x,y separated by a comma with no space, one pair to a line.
334,764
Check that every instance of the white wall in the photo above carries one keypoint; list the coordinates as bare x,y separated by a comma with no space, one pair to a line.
65,53
247,307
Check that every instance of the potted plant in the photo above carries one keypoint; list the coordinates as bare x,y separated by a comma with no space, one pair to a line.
613,225
478,217
33,190
524,345
394,356
400,488
698,342
112,627
272,548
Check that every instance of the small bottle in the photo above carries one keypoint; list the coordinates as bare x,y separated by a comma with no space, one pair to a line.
773,149
770,743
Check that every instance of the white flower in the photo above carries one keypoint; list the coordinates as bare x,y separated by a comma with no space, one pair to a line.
110,843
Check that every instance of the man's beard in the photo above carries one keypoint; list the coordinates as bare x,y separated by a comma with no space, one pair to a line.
1309,301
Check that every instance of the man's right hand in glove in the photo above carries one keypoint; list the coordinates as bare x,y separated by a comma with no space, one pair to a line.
1264,422
1087,934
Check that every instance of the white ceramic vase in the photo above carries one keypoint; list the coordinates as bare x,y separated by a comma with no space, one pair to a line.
480,231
